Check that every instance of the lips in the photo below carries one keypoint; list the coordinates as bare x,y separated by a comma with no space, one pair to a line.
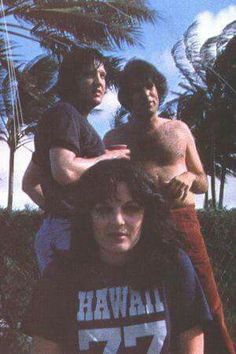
98,92
118,234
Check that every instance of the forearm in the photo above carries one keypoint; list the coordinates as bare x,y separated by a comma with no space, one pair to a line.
36,195
77,166
200,183
67,168
31,184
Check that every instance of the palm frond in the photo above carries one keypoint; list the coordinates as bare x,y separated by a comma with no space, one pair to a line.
105,23
228,32
181,62
192,50
120,117
208,52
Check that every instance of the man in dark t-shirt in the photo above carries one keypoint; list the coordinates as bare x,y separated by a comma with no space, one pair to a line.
65,146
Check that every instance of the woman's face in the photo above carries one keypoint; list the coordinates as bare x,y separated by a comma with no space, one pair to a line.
117,224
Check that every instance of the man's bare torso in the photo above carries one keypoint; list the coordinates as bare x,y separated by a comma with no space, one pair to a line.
160,147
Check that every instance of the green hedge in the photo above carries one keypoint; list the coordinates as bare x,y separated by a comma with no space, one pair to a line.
219,230
19,274
19,270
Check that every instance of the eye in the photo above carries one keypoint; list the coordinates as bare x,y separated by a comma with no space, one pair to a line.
149,85
102,209
103,75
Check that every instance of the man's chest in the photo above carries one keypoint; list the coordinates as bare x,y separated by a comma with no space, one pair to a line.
164,145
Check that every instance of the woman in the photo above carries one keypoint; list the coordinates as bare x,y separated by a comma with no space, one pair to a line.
126,287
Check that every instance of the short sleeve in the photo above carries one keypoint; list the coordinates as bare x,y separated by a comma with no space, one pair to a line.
65,128
189,307
45,316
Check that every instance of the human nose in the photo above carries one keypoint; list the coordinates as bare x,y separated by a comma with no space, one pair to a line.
146,92
98,79
118,217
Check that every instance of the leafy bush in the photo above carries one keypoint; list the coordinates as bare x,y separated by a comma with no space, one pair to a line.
19,271
219,230
18,275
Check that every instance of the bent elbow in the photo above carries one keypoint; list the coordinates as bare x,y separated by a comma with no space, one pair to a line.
203,186
65,177
25,185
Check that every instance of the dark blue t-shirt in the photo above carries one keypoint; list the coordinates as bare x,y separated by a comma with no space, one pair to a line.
95,311
63,126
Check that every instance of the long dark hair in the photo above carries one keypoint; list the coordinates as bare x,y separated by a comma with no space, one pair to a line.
73,65
156,251
140,71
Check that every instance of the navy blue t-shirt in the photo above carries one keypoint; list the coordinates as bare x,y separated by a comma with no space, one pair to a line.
95,311
63,126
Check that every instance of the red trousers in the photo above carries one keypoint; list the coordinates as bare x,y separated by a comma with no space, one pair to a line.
217,340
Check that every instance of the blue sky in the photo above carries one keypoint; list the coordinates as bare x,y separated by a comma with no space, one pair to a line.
175,16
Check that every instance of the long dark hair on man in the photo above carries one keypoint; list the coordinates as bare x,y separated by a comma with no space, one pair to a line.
139,71
156,252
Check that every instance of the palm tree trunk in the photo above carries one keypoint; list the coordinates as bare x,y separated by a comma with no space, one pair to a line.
10,180
222,186
212,159
206,201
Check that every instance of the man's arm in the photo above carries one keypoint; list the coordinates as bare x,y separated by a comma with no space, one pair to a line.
31,184
67,167
117,136
109,138
194,179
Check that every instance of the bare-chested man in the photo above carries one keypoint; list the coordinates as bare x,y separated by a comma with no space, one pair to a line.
166,149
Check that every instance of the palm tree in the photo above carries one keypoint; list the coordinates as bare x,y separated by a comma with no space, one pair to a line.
34,95
200,104
57,24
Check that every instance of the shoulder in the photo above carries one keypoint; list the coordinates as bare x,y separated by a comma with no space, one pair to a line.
186,282
182,128
188,305
116,135
183,273
61,117
175,123
57,282
63,108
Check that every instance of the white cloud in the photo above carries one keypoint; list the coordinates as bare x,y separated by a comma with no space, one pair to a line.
108,106
22,158
110,101
211,25
102,117
164,62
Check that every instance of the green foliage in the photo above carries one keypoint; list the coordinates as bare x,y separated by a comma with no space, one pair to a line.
18,274
59,24
207,102
219,230
19,270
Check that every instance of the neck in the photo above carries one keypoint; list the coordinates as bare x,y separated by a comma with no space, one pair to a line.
81,107
117,259
84,111
145,120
